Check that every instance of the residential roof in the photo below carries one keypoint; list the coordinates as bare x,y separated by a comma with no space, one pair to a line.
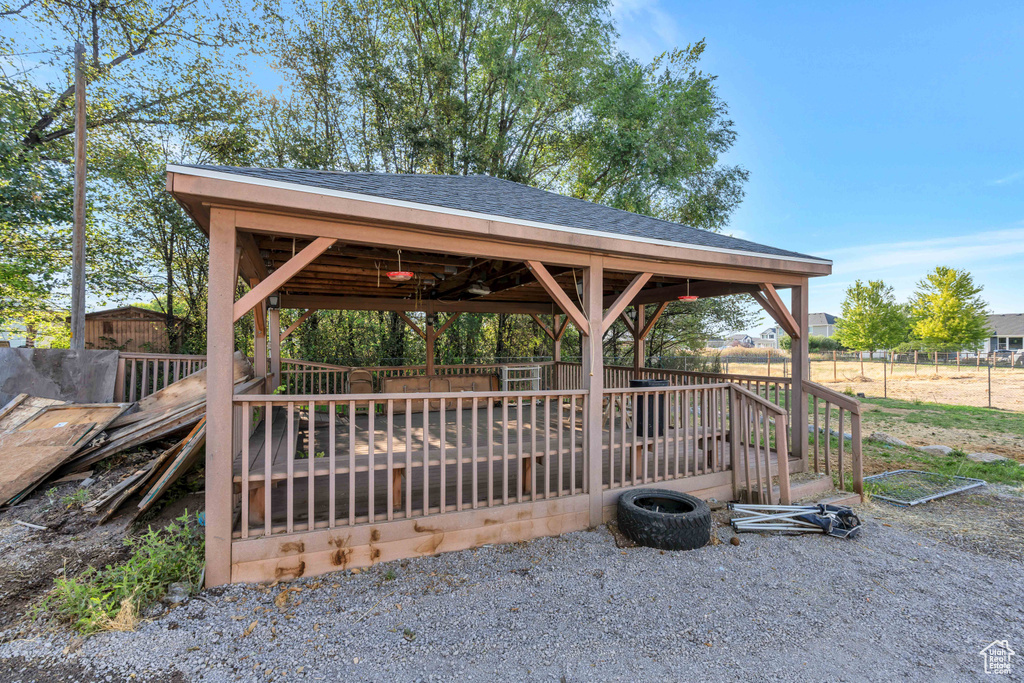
1005,324
486,196
137,313
773,329
821,319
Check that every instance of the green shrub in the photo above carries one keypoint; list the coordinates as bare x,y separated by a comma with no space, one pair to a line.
75,500
111,598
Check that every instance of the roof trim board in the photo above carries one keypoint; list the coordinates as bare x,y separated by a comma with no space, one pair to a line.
312,189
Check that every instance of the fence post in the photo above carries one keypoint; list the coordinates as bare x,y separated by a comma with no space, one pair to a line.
915,362
835,371
885,379
990,384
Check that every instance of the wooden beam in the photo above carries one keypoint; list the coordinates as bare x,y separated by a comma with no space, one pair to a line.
334,302
707,288
628,323
777,309
447,323
279,277
556,292
654,318
259,313
543,326
412,323
256,267
624,299
562,328
294,326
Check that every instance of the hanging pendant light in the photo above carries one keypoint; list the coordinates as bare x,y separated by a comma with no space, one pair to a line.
400,275
688,297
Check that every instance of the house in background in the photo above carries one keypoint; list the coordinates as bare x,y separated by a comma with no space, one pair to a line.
821,324
769,338
128,328
1006,332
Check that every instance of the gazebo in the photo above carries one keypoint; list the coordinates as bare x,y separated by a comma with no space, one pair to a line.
324,467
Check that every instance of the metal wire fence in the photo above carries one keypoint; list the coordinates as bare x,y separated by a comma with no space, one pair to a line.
985,380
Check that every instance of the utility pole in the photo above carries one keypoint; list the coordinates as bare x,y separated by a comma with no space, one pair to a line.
78,231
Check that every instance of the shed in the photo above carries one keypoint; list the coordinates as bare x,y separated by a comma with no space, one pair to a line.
128,328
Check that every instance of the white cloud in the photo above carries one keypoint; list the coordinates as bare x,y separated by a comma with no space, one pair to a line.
993,257
1006,180
642,23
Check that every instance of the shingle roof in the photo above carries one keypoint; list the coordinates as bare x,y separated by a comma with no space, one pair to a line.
821,319
493,196
1005,324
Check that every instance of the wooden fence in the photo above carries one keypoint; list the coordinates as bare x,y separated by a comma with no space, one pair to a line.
141,374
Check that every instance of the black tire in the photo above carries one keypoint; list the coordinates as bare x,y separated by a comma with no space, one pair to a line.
663,519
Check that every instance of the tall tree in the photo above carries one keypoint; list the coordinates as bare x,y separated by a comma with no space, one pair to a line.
948,312
871,319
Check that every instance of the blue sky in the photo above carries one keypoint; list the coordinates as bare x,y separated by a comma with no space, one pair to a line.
888,137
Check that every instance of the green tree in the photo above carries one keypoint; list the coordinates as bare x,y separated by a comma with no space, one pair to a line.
870,318
947,311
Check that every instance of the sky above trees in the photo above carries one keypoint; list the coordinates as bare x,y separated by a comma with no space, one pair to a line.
885,136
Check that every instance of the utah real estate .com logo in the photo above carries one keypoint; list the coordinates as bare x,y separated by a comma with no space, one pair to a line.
997,657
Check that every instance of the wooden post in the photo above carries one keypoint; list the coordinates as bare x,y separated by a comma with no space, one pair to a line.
259,348
431,336
78,230
593,382
801,371
274,329
639,345
556,351
220,347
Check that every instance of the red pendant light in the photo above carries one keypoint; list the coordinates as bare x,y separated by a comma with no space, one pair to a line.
688,297
400,275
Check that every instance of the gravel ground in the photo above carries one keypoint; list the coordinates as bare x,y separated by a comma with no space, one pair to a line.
892,604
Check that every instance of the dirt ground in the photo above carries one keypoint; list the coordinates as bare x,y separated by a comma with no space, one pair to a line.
877,418
967,385
31,559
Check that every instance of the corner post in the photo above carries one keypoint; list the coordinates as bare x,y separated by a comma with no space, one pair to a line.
274,330
801,371
220,386
593,383
639,343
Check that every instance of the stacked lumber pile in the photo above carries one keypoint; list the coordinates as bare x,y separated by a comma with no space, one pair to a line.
44,439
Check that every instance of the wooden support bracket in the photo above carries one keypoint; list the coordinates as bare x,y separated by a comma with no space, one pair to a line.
556,292
542,325
447,323
654,318
625,298
770,301
295,325
412,324
282,275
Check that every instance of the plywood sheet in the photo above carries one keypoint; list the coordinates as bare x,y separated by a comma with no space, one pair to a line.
21,408
77,376
28,457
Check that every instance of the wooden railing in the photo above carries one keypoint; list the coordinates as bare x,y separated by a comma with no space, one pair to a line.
759,427
407,455
307,377
663,434
834,460
141,374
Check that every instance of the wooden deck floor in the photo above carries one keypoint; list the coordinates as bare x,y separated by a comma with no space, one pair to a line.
497,471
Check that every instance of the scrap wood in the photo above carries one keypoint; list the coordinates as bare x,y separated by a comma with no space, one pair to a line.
191,450
37,527
31,456
21,408
137,435
77,476
157,467
101,500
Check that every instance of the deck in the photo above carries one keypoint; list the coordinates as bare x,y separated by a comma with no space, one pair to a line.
492,455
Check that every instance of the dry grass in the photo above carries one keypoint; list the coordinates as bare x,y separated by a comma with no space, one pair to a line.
966,385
